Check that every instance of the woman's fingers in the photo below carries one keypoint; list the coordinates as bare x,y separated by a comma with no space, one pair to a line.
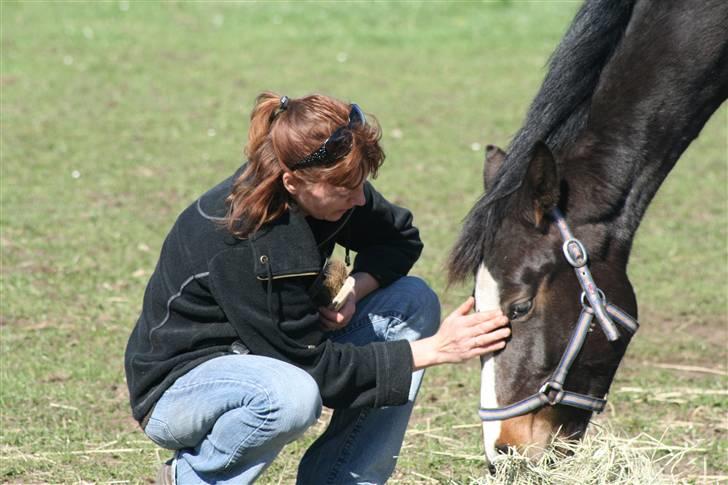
331,324
466,319
330,319
487,349
490,338
334,320
488,325
464,335
327,313
478,318
488,343
465,307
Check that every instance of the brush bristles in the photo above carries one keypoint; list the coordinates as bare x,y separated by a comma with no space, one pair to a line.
335,273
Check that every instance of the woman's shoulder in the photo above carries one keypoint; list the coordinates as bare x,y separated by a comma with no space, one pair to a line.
200,230
212,204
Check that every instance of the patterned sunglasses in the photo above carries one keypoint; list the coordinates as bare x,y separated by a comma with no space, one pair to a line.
336,146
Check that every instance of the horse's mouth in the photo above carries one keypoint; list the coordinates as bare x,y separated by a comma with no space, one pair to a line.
532,434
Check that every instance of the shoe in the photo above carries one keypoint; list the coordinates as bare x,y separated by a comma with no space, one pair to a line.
165,475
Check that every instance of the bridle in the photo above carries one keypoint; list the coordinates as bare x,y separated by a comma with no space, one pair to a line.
593,303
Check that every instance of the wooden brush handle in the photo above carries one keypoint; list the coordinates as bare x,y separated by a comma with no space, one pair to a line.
346,290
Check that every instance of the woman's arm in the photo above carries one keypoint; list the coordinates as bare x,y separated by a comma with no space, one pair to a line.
384,237
364,283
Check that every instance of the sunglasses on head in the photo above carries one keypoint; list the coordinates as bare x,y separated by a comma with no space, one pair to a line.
336,146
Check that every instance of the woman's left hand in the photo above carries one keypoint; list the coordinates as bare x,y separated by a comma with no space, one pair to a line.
334,320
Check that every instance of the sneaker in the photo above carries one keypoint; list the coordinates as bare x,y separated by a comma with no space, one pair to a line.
165,475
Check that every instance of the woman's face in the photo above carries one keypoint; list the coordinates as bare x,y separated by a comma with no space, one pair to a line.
322,200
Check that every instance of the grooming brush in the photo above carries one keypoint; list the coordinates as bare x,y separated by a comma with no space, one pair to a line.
336,286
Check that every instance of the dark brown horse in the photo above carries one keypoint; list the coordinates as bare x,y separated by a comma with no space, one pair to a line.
629,87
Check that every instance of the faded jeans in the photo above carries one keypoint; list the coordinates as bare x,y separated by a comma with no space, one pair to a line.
229,417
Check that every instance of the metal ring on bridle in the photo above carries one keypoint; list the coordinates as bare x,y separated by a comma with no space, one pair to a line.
573,261
585,302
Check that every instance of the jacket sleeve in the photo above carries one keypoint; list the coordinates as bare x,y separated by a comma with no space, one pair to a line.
382,234
284,324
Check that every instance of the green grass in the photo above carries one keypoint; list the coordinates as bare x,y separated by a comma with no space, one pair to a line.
117,115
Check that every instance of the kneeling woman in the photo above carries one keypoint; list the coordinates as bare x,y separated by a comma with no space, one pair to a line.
232,358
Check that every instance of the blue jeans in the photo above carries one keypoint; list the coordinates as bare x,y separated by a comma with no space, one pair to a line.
229,417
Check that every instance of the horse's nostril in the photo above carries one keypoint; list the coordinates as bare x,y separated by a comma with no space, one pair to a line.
503,449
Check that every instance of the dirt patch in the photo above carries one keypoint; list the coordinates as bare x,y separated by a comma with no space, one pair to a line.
707,327
689,341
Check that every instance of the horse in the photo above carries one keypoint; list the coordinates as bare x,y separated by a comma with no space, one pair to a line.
629,86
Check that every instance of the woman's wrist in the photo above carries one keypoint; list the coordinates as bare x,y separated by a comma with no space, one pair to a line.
424,353
364,283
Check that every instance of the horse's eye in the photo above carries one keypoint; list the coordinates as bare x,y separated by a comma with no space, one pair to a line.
520,309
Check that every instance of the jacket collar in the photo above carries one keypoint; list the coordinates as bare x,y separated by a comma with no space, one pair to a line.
284,247
287,246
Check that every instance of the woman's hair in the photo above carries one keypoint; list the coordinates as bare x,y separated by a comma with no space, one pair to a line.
278,138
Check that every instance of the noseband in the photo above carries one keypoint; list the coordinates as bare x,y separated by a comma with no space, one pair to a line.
593,303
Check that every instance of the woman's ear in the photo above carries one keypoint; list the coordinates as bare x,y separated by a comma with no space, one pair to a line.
291,183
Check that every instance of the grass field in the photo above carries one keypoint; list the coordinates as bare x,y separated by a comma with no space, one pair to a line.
116,115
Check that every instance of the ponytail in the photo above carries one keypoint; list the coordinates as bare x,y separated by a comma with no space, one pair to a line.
266,107
258,195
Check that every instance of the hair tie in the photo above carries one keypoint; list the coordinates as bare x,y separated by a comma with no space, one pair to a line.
282,106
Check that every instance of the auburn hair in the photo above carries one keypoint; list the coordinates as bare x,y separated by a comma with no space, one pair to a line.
278,138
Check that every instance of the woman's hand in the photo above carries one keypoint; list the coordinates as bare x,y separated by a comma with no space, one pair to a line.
334,320
364,283
462,336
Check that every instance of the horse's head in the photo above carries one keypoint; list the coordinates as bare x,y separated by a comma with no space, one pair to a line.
515,249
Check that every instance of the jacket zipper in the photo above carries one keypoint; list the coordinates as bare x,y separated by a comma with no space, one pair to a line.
292,275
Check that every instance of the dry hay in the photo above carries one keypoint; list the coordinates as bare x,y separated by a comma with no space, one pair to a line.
601,457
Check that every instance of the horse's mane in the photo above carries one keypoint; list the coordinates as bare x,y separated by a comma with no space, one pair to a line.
557,115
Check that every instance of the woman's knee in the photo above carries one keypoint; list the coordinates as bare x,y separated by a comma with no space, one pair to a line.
297,403
279,390
423,304
275,407
252,392
286,404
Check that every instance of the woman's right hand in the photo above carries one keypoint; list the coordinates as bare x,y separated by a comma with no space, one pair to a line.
462,336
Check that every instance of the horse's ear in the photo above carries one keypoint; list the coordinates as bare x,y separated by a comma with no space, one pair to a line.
494,157
542,182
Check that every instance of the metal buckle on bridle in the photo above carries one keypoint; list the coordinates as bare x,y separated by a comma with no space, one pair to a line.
546,390
574,252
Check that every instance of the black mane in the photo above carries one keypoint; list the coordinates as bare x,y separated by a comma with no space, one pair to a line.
557,115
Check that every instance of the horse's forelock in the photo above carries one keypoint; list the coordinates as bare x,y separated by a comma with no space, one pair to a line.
477,236
467,252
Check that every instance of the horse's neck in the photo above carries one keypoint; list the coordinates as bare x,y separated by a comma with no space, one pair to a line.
667,77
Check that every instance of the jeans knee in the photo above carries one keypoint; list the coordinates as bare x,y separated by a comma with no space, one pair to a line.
299,404
424,303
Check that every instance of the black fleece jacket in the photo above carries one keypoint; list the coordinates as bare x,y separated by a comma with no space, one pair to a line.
210,289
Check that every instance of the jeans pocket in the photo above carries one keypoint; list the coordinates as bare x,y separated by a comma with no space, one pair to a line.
159,432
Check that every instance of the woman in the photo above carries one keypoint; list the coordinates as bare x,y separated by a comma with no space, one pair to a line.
231,358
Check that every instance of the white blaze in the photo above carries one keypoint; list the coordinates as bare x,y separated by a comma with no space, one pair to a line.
487,298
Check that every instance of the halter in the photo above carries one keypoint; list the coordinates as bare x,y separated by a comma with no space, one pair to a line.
593,303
